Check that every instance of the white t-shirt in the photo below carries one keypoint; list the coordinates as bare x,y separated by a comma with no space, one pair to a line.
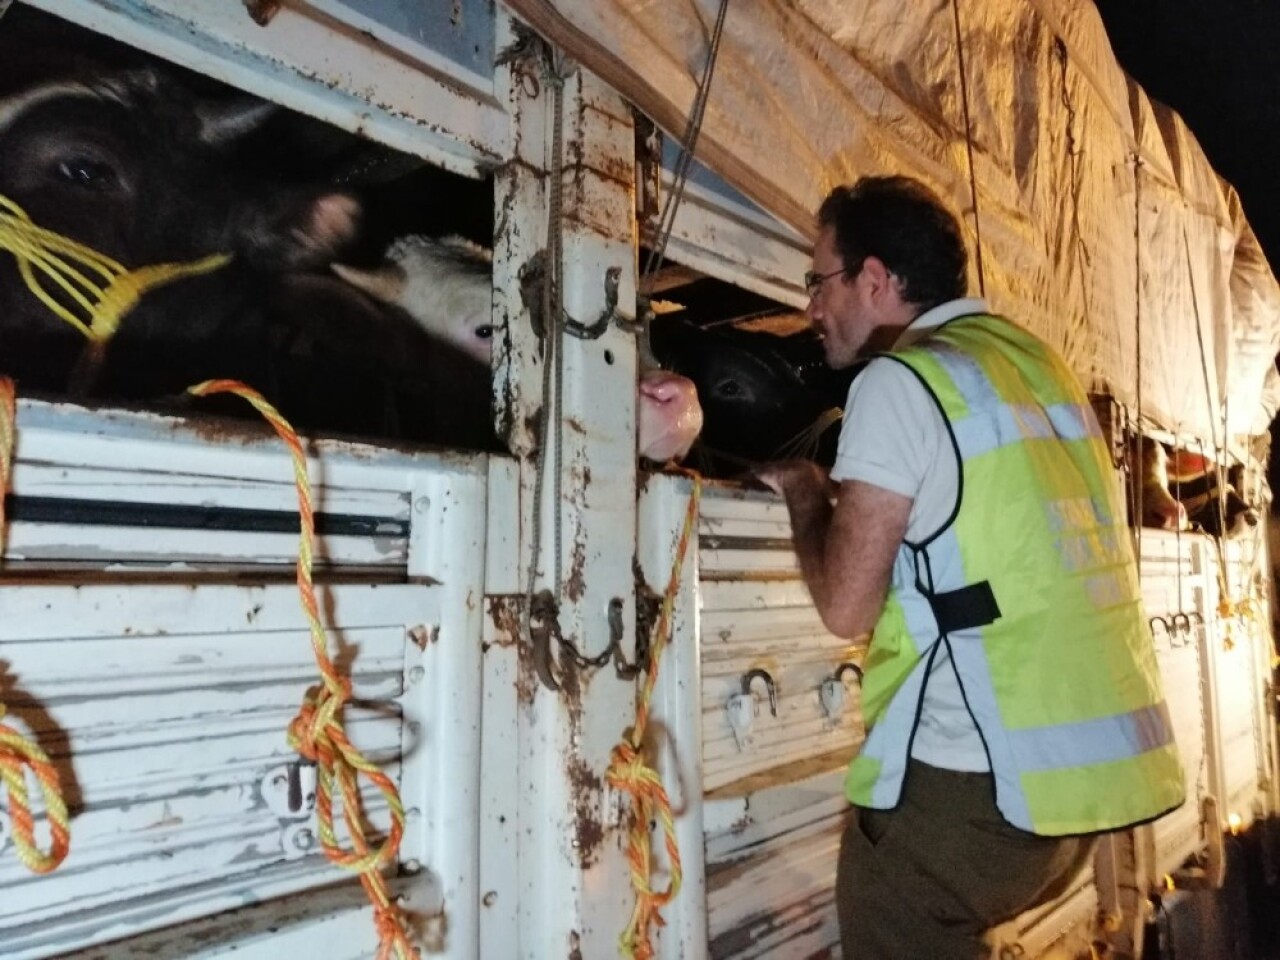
894,437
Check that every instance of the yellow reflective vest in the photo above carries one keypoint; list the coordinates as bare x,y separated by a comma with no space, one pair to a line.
1033,590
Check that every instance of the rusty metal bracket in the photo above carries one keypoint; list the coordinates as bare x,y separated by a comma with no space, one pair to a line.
575,328
532,276
646,615
549,664
544,623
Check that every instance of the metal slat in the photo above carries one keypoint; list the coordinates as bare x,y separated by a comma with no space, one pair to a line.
135,490
737,596
167,740
771,872
779,900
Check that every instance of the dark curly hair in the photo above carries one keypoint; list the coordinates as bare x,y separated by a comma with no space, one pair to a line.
906,225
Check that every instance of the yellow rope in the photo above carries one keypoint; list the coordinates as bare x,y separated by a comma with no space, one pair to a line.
103,289
631,773
8,437
317,733
17,751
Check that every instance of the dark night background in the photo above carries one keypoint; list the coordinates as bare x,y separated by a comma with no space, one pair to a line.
1217,63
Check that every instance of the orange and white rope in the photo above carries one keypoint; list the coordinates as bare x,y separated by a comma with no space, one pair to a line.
317,732
18,752
631,773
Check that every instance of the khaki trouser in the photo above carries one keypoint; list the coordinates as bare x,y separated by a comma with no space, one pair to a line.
925,881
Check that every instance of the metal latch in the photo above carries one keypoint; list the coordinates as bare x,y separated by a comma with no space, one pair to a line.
744,707
289,790
832,691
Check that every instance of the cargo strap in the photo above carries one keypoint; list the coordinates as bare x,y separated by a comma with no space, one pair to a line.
630,772
17,751
964,609
317,731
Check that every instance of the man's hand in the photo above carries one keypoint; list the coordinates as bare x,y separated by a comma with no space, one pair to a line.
846,551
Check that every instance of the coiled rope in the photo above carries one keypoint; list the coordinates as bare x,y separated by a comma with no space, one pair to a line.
631,773
16,750
317,731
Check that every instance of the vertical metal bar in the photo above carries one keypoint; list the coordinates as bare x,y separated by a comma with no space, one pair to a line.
574,889
677,710
441,773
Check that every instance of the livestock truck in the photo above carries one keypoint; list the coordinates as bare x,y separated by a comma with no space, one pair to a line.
499,614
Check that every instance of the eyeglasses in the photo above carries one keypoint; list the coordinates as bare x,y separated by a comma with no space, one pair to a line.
814,281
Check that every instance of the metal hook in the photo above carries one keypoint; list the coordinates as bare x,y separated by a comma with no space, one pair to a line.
847,666
751,676
624,670
1181,623
612,277
1151,623
532,276
831,693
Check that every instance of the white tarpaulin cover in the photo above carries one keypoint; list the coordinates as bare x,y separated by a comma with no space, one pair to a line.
1102,225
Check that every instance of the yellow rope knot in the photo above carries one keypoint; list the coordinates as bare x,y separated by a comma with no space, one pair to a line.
16,752
317,732
102,289
630,773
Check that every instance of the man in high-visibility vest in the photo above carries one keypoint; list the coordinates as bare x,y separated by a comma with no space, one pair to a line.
974,531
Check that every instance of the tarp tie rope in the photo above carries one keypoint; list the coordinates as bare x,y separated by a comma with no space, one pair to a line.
630,772
103,289
968,140
688,145
317,731
16,750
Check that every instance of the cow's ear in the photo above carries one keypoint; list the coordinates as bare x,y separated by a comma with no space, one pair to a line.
224,122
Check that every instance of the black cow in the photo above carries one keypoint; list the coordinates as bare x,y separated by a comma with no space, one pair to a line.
134,166
763,396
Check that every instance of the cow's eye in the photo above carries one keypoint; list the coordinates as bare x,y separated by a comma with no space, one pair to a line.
84,172
731,389
484,332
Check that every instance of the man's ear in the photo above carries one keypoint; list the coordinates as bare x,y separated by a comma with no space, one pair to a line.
876,277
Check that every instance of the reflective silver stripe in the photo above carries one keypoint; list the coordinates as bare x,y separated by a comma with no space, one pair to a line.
985,430
979,692
1074,421
887,741
966,373
1104,740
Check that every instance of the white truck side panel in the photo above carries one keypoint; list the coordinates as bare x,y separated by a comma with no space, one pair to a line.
161,680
